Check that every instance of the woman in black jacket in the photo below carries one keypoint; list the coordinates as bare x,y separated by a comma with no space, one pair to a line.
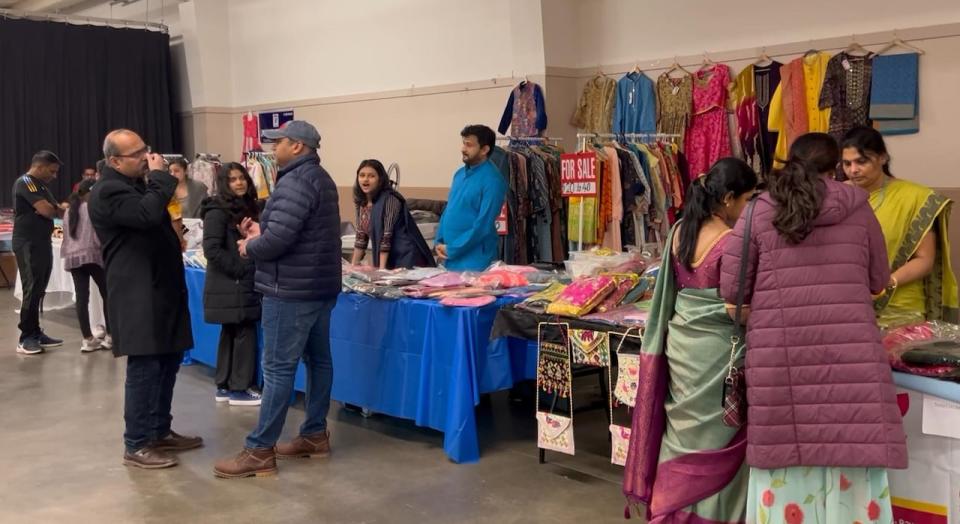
385,224
228,295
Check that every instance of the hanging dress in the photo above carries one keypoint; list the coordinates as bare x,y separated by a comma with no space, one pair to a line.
708,138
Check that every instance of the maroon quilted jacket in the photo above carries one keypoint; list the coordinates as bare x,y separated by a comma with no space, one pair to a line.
819,388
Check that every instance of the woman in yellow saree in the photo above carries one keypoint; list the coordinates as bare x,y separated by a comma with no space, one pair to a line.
915,222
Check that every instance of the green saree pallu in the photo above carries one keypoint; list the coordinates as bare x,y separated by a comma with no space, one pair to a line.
907,212
684,463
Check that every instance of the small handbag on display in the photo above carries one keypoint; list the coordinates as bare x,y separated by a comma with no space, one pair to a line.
591,348
628,371
555,432
620,444
735,383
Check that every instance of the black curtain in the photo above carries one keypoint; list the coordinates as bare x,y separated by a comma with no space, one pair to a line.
64,86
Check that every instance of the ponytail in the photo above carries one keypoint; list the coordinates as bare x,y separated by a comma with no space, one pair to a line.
698,206
798,191
798,188
705,196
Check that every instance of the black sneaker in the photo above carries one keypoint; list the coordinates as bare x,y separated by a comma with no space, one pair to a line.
47,341
30,346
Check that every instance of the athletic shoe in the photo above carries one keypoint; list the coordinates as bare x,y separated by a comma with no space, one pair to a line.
90,344
30,346
244,398
222,395
106,342
47,341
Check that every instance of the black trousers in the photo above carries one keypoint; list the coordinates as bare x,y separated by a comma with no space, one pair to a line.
81,283
148,396
34,263
237,356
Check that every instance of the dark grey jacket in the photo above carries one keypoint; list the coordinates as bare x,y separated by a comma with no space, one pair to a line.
298,253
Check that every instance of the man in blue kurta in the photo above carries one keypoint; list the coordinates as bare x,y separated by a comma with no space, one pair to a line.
467,237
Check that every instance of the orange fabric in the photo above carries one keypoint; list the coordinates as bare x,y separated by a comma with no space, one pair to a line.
796,120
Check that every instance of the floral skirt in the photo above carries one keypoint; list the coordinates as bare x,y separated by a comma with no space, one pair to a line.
819,496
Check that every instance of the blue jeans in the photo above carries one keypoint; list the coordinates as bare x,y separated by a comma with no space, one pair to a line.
148,397
293,330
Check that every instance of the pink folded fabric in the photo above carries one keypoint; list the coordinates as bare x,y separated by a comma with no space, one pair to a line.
468,302
500,279
447,279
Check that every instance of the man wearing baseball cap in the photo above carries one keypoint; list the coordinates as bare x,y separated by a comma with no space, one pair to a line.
34,211
296,248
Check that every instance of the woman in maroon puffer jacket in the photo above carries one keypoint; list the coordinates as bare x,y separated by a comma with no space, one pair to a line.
823,423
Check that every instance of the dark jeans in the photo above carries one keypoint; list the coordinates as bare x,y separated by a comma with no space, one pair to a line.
237,356
81,283
148,397
34,263
293,330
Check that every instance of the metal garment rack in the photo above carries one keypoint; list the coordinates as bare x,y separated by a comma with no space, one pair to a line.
530,139
582,138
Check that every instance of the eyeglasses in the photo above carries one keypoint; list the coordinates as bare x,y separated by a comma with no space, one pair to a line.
138,153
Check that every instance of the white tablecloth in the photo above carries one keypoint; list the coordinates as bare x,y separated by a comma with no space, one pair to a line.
61,294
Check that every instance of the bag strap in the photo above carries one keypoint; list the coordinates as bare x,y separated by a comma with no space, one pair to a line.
738,335
744,256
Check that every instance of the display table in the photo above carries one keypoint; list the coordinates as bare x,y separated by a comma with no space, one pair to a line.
928,492
412,359
61,294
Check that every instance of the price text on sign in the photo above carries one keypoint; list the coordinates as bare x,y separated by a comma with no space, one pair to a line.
578,175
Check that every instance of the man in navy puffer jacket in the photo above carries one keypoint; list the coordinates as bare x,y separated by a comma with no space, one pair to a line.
297,253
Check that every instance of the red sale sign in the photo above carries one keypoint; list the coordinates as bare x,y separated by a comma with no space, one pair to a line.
578,174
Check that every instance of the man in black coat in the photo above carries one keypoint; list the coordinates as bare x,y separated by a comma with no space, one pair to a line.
148,306
298,257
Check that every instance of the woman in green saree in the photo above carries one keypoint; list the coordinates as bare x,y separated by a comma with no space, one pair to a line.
915,223
684,464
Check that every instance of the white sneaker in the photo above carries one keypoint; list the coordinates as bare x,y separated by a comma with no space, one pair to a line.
90,344
107,342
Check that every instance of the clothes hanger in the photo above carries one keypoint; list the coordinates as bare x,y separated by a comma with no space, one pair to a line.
897,42
707,62
676,67
763,59
855,47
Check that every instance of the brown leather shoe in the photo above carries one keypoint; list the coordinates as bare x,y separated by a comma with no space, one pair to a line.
259,462
305,446
176,442
149,458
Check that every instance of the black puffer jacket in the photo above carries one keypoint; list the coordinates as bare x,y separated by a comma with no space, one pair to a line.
298,253
228,294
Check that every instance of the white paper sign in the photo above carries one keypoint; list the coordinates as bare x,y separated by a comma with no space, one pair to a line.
941,417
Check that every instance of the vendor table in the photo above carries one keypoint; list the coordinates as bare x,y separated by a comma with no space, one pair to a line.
61,294
412,359
928,492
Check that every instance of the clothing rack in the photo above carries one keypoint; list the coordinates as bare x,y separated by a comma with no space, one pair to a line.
583,137
209,157
532,139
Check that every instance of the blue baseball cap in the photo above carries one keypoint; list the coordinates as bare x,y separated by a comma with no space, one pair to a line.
298,130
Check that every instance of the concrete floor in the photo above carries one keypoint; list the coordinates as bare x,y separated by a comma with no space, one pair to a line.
61,459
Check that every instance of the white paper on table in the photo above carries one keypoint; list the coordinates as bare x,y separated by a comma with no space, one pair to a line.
941,417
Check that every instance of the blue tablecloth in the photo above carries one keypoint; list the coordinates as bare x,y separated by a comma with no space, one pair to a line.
412,359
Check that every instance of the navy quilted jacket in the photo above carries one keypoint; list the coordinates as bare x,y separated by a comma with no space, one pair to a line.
298,253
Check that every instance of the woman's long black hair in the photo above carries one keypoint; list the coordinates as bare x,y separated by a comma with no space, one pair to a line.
798,188
383,182
867,140
241,207
705,197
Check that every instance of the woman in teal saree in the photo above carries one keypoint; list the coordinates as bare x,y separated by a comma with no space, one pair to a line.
684,463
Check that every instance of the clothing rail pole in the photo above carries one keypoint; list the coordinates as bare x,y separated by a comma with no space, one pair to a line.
76,19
